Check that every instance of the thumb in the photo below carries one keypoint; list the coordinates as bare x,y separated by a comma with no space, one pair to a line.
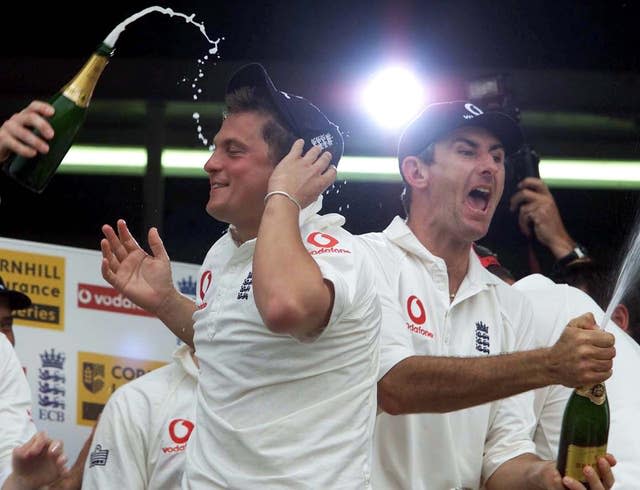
156,245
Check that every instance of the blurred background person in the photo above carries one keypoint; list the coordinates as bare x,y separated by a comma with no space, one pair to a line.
145,427
553,305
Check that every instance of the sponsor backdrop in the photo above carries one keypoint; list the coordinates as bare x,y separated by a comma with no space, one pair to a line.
80,340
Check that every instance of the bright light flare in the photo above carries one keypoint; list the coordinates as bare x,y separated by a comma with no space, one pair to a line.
393,96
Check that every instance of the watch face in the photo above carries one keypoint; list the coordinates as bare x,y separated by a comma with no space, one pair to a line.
580,251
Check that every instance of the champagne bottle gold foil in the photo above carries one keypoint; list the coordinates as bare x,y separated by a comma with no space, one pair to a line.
80,88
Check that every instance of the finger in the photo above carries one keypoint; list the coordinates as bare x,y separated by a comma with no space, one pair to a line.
604,355
585,321
328,177
34,120
534,184
157,247
20,136
37,444
12,145
611,459
323,161
523,223
516,200
595,378
296,149
108,255
126,238
593,478
107,273
313,154
114,243
606,475
41,107
572,484
61,463
601,339
524,196
56,447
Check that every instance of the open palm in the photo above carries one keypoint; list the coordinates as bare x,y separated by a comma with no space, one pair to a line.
144,279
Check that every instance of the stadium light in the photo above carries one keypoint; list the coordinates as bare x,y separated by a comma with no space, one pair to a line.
393,96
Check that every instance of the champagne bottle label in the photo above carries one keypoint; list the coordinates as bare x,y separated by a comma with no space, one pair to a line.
579,456
80,89
596,393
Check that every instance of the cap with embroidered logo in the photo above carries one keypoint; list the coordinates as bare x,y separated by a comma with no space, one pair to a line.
17,300
437,120
303,118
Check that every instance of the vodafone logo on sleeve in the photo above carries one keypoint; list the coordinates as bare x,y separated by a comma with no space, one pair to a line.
418,316
325,243
179,432
103,298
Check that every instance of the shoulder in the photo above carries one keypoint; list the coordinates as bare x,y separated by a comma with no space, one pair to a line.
515,307
149,389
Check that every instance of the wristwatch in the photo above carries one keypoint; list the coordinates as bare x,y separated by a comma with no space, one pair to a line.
578,255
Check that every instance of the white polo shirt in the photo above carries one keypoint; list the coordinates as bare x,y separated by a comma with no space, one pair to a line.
461,448
554,305
145,427
274,412
16,426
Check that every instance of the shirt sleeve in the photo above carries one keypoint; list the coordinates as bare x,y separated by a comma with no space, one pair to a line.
119,450
513,424
395,340
510,432
15,406
334,252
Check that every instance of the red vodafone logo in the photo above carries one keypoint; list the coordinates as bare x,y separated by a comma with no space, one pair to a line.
416,310
205,283
180,430
321,240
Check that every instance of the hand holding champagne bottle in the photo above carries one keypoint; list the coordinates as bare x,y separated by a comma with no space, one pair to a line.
17,133
70,109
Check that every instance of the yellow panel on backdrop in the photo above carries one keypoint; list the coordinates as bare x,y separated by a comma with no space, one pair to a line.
41,277
99,375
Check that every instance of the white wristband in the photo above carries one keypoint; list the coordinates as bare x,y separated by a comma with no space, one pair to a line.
283,193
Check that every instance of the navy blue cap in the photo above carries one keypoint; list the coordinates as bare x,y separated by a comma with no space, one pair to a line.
17,300
437,120
303,118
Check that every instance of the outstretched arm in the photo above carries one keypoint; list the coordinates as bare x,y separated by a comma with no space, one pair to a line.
38,462
582,355
290,291
17,136
146,279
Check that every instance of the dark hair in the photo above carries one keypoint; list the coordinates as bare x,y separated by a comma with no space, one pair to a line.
588,275
274,132
426,156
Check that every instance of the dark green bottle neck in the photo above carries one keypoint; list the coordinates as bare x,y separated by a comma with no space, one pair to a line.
105,50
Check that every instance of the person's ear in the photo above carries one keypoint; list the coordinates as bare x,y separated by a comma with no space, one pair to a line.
620,316
415,172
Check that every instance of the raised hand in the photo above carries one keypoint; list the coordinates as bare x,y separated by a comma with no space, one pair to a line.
536,206
303,177
144,279
38,462
17,136
583,355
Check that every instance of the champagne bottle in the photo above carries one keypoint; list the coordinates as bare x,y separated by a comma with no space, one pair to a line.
585,431
70,105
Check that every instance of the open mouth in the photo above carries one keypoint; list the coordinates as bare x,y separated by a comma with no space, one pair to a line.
478,198
217,185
